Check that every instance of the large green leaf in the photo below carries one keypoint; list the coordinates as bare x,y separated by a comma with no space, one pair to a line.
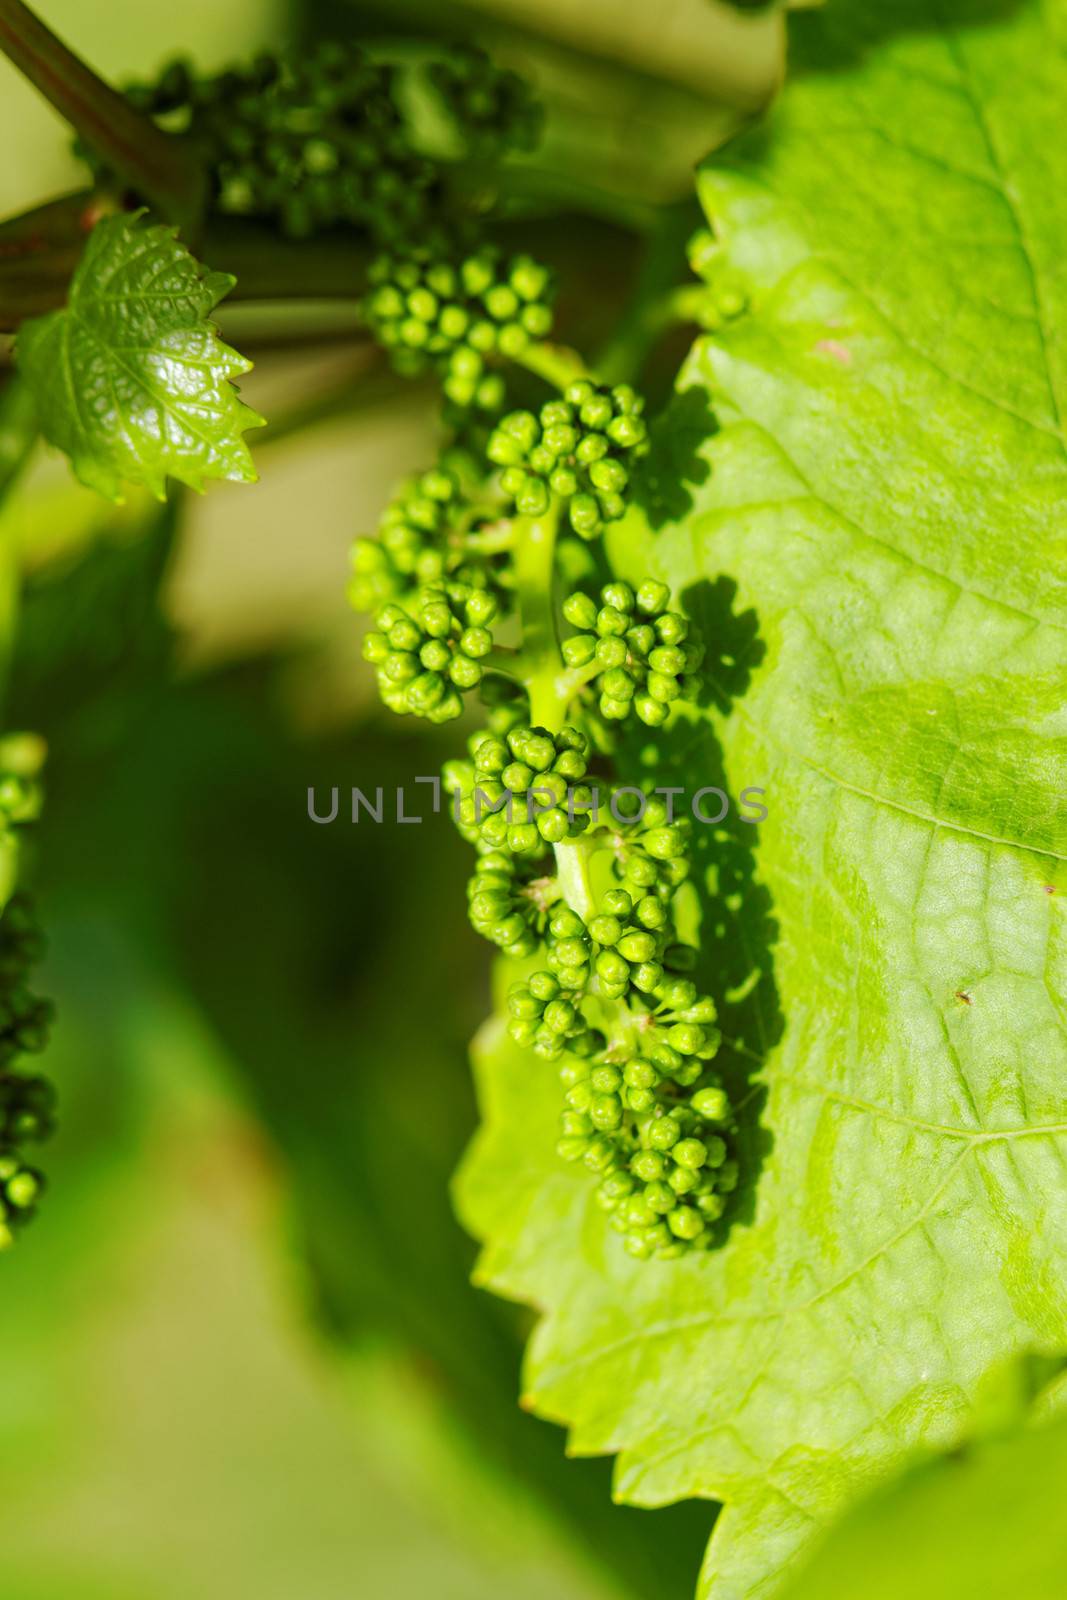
886,494
131,379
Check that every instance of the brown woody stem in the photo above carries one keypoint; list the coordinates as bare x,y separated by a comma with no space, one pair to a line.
157,165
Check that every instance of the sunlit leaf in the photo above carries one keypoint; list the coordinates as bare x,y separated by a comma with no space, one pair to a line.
131,379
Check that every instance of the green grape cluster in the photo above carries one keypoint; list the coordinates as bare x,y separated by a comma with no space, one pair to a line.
508,901
27,1109
458,313
24,1018
307,141
569,950
654,1122
649,1115
27,1114
409,549
665,1172
424,537
608,996
576,449
320,139
21,943
647,1112
544,1018
27,1101
428,655
523,792
490,108
650,848
633,937
628,949
647,656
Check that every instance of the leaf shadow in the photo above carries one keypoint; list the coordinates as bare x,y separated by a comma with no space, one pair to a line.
664,478
737,927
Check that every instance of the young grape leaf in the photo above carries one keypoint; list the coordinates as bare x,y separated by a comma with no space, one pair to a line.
886,494
131,379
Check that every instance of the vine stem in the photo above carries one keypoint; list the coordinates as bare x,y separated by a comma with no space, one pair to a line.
538,663
158,165
540,188
539,667
621,360
656,302
574,877
555,363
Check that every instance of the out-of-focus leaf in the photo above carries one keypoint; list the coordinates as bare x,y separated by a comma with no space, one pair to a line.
984,1520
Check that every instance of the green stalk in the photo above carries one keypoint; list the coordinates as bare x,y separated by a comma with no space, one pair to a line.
490,541
555,363
656,302
156,164
541,189
270,267
621,360
362,389
573,875
538,664
39,250
549,684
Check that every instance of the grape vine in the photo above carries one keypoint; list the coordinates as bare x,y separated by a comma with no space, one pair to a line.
571,879
575,874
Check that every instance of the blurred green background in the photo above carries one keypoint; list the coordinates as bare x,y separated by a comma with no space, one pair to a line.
239,1353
